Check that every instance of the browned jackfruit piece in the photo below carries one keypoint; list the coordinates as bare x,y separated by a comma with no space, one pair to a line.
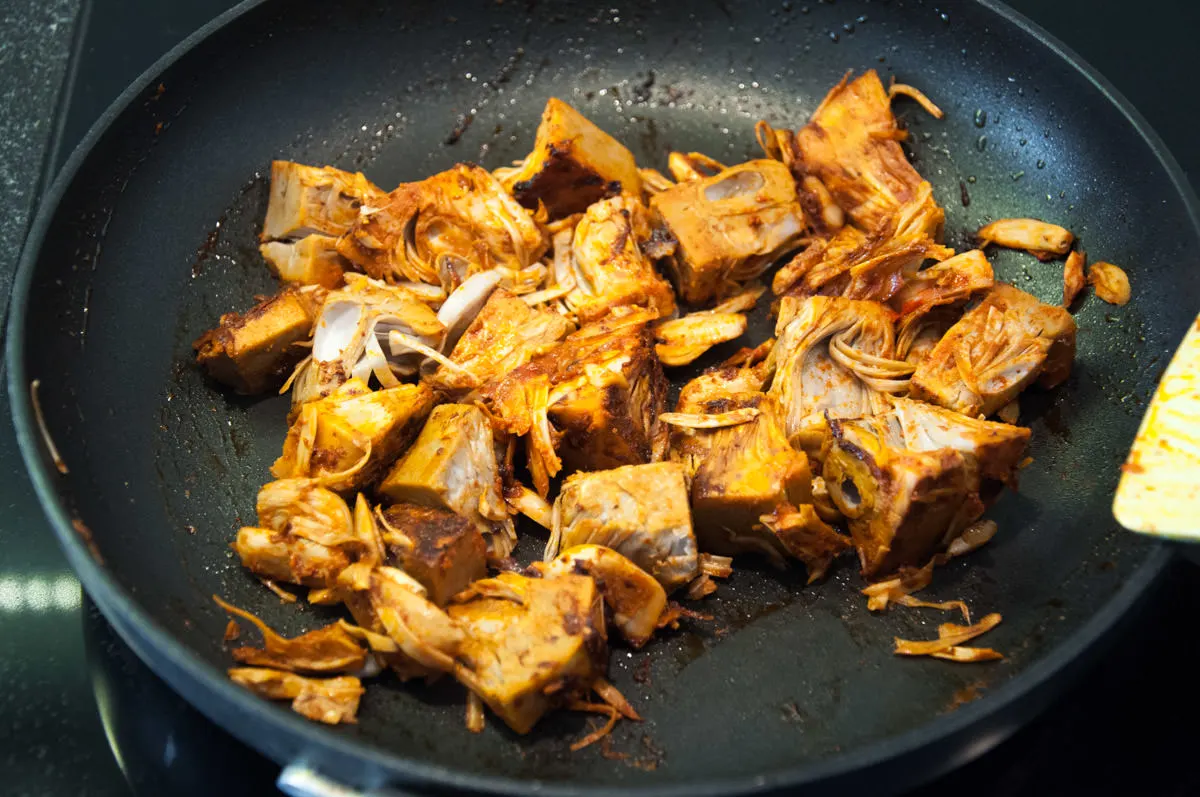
640,511
531,644
444,229
803,534
279,556
852,144
996,448
506,334
573,164
950,281
682,341
606,404
834,359
749,470
913,478
355,335
712,393
873,265
443,551
428,640
303,508
253,352
328,700
996,350
635,600
348,438
326,650
730,227
312,260
594,401
452,465
1039,238
310,199
901,506
607,267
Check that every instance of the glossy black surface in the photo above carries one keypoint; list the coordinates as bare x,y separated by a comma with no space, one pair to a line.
143,749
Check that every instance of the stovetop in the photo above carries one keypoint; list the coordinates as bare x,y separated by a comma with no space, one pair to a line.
82,716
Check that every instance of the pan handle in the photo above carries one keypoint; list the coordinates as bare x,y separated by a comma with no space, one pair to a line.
300,780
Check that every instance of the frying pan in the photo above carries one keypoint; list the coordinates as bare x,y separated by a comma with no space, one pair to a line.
149,235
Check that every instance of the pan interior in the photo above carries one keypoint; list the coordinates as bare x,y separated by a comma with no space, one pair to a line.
157,238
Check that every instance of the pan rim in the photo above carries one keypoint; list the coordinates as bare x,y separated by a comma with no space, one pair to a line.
119,607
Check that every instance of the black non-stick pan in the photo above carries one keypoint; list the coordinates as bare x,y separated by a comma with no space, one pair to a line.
149,235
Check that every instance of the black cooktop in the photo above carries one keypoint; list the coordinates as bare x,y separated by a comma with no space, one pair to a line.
83,716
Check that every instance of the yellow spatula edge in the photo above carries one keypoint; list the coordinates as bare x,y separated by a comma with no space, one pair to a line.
1159,492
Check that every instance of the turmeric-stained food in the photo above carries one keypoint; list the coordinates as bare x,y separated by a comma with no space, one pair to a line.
253,352
749,470
1000,347
443,229
640,511
901,505
605,266
506,334
911,479
483,345
803,535
427,640
443,551
307,200
530,643
1110,283
277,556
328,700
635,600
312,260
730,227
953,280
329,649
852,145
347,439
835,358
873,264
1038,238
591,403
366,330
1074,280
452,465
573,165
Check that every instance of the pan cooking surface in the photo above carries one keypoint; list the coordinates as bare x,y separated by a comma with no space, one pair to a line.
156,237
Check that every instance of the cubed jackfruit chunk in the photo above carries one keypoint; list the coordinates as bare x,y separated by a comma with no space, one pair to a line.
348,438
452,465
750,470
253,352
310,199
996,350
640,511
573,164
313,260
730,227
531,643
443,551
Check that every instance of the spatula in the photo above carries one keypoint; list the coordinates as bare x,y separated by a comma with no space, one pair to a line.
1159,493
